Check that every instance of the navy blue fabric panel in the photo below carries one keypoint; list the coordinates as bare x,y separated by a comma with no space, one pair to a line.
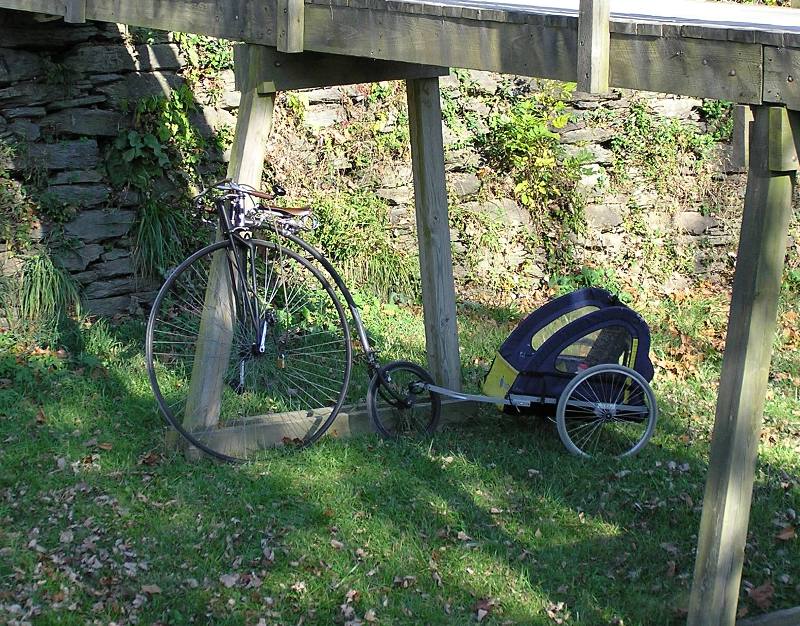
541,385
544,359
516,349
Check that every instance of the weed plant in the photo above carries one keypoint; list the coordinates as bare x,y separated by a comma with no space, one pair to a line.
661,147
354,233
161,238
524,142
46,298
16,213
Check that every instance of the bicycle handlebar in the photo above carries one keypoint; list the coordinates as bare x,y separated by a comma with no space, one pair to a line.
300,222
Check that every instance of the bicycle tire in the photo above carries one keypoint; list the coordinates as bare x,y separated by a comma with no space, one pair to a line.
610,407
295,388
397,407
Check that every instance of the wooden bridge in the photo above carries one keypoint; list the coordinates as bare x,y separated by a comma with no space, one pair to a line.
747,54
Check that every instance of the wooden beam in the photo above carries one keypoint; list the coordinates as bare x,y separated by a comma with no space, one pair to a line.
290,25
782,154
433,231
692,67
253,125
782,76
307,70
743,384
75,11
271,431
649,56
594,45
739,150
698,67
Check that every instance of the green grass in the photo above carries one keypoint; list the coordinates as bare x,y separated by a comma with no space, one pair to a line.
98,522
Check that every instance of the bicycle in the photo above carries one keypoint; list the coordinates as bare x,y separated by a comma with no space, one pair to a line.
248,346
255,330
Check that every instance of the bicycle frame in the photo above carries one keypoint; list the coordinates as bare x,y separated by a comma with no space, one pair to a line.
232,222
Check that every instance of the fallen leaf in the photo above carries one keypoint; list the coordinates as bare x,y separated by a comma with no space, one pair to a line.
40,416
105,446
351,596
370,616
405,581
762,595
462,536
787,533
336,544
483,607
299,587
229,580
151,589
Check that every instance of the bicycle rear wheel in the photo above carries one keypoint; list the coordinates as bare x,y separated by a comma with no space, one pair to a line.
265,379
399,403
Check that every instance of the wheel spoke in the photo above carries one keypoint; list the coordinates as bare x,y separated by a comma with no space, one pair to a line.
310,371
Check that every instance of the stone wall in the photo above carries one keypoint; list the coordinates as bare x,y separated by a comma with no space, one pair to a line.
66,91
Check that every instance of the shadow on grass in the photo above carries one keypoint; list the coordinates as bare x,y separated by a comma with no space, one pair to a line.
495,516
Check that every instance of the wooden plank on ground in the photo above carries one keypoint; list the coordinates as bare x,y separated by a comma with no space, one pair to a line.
787,617
253,125
75,11
593,46
433,231
782,76
743,383
290,25
288,72
261,433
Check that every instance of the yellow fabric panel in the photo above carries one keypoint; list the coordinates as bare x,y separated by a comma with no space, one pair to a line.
499,379
557,324
632,355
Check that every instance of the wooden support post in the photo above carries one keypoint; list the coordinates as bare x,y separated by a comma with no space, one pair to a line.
739,154
253,125
433,231
75,11
594,44
291,25
745,368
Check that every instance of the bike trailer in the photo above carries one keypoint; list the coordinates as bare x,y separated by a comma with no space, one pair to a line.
565,337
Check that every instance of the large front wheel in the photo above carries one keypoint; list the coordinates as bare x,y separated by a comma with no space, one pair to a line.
606,410
248,349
